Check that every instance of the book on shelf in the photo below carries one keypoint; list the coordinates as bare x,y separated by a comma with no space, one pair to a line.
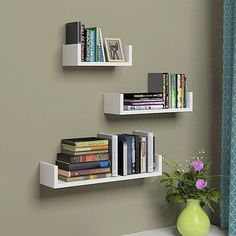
75,153
85,177
122,157
149,147
82,158
101,51
85,142
74,32
147,107
83,165
75,173
142,95
113,150
144,102
82,149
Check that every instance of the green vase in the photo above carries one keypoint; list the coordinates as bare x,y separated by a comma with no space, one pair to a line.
193,220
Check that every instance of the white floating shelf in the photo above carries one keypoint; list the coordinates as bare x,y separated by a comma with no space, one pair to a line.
114,104
71,56
49,177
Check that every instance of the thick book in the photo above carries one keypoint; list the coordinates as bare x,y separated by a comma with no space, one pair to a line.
143,103
75,153
85,142
122,157
82,166
82,149
86,177
149,136
74,32
82,158
75,173
113,150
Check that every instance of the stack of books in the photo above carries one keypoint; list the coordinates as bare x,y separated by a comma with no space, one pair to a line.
83,158
91,40
171,85
143,101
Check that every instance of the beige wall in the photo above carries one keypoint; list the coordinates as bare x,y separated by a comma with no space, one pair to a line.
41,103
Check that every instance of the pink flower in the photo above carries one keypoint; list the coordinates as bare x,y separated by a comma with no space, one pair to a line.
198,165
201,184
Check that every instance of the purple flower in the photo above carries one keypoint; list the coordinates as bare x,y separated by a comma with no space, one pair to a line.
201,184
198,165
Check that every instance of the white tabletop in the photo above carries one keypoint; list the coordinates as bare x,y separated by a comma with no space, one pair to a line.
172,231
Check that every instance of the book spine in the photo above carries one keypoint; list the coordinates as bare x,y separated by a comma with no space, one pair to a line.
150,153
86,177
81,149
143,103
164,87
182,90
167,90
82,166
101,47
83,42
85,143
83,172
88,45
173,90
170,90
143,154
92,45
137,155
142,95
185,105
76,153
151,107
178,91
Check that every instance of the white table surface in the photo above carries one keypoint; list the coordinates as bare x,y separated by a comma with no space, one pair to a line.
172,231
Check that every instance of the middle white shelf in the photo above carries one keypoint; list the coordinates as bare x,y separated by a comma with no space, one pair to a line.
114,104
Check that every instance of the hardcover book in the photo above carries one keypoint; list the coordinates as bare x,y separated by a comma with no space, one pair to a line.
74,32
82,166
75,153
122,157
85,142
143,95
82,149
86,177
82,158
75,173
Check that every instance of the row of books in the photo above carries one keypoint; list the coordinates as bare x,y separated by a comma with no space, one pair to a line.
91,40
106,155
169,88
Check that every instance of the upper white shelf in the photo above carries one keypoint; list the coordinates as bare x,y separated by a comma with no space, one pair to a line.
49,177
114,104
71,56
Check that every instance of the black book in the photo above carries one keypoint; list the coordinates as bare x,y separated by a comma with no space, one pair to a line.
82,166
122,157
143,95
86,141
74,32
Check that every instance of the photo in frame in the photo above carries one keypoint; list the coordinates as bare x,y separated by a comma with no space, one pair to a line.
114,50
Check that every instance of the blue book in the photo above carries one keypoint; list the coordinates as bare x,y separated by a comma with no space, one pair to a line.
92,45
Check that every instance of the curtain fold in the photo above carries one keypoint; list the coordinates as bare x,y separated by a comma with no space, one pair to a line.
228,146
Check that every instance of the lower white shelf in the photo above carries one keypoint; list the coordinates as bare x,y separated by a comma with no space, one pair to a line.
49,177
114,104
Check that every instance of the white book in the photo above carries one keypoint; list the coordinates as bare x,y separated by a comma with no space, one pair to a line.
113,150
149,136
125,158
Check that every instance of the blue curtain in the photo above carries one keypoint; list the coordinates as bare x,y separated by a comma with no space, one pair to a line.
228,155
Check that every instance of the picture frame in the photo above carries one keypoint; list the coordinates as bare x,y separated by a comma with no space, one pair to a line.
114,50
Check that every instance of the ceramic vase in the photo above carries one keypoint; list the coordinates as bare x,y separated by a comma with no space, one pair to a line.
193,220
